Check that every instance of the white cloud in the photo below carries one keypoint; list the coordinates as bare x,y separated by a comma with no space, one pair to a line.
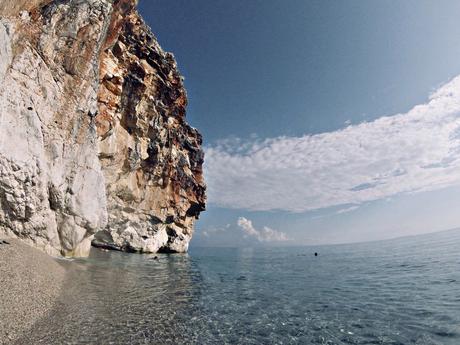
214,230
405,153
347,210
265,235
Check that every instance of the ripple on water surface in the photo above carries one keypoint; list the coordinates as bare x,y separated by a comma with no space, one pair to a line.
402,291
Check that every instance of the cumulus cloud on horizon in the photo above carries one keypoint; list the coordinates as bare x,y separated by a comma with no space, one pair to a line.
266,234
404,153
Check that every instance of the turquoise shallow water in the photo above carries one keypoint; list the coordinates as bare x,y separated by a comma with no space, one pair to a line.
404,291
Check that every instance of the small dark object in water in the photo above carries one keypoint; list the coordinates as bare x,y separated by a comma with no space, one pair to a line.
316,254
154,258
241,278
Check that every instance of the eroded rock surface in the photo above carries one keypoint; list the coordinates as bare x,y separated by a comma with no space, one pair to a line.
93,137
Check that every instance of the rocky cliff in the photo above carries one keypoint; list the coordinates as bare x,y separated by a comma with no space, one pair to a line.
94,145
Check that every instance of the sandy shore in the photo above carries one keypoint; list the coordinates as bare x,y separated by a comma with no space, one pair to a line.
30,282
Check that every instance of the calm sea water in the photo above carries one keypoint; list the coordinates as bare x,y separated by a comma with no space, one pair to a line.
404,291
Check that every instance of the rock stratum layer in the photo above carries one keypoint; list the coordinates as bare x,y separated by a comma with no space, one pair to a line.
94,145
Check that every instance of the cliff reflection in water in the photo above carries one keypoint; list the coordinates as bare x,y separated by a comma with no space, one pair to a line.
118,298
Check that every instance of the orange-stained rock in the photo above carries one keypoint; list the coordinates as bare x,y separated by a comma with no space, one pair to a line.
151,159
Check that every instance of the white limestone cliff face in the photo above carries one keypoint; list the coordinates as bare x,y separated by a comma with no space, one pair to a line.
88,142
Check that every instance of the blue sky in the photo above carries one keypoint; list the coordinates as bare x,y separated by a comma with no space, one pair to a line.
323,121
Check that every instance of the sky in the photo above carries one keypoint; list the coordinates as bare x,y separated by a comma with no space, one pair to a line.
323,121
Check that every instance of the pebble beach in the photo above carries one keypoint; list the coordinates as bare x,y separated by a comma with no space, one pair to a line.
30,283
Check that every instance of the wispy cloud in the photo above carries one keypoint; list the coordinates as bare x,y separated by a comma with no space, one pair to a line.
411,152
347,210
266,234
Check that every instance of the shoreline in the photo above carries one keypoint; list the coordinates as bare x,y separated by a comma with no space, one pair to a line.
30,284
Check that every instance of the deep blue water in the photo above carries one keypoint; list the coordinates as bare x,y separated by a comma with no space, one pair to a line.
404,291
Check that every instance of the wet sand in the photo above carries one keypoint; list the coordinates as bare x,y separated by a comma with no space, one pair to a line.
30,283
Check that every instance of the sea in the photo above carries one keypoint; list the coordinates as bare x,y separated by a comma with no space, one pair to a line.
402,291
